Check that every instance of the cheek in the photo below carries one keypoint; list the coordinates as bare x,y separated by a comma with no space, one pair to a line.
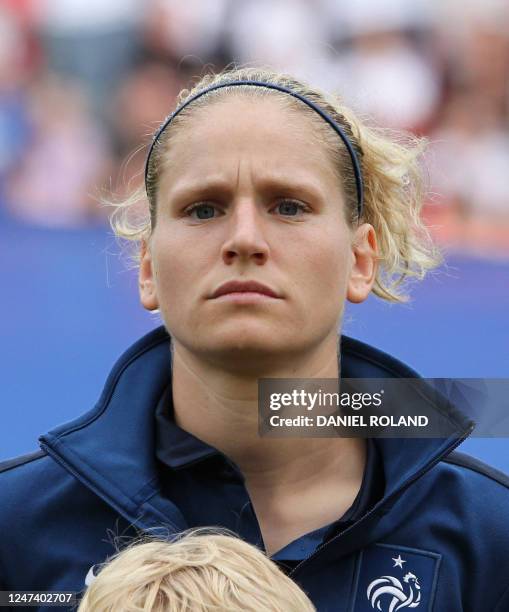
323,265
177,265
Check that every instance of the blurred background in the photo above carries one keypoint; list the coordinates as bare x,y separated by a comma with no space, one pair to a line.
84,83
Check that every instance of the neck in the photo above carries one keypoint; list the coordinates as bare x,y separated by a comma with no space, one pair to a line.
219,405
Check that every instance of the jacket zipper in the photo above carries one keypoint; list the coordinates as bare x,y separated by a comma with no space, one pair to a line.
374,510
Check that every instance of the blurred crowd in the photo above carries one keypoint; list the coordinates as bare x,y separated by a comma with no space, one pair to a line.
83,83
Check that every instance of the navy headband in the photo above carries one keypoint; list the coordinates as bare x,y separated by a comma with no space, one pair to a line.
339,131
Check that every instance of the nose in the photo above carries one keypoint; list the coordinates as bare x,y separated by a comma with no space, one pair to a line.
246,238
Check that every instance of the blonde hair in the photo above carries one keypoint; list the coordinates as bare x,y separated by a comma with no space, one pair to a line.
392,176
200,572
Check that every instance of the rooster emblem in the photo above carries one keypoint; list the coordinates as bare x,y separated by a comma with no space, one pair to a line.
389,591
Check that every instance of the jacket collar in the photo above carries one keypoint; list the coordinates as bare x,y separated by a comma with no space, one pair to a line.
174,446
110,449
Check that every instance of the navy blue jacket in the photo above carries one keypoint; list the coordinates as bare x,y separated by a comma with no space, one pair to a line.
437,540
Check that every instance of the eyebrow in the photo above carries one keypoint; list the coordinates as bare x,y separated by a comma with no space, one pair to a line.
269,185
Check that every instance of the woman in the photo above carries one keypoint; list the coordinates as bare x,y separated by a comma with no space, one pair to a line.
269,206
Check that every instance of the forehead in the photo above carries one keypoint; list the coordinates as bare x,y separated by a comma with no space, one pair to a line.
268,133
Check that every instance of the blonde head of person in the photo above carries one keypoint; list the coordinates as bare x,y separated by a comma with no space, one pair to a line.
198,572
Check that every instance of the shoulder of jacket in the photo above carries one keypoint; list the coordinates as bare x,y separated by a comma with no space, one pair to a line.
10,464
28,483
467,462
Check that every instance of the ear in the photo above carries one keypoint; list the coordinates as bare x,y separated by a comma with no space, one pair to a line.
365,264
147,287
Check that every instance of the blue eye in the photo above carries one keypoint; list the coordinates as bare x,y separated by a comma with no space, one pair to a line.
290,208
203,211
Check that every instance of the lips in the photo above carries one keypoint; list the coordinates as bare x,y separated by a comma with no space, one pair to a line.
243,287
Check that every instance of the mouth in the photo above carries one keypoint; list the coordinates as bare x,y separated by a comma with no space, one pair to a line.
244,290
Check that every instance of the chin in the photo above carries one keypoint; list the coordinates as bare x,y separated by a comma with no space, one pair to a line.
244,342
241,346
230,341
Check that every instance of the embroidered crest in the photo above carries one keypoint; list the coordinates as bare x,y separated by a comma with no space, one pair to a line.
392,578
391,589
